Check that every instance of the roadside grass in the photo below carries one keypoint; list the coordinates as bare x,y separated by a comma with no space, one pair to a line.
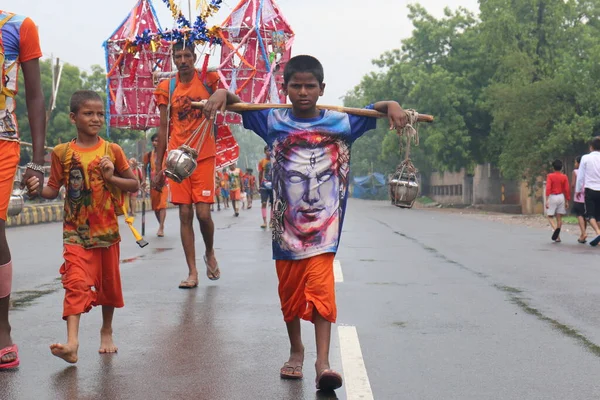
570,219
425,200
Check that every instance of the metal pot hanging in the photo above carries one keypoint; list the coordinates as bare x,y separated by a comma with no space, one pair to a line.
181,162
404,182
16,203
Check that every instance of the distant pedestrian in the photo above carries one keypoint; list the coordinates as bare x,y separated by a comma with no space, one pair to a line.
235,187
91,169
579,204
251,187
158,198
225,188
557,198
589,177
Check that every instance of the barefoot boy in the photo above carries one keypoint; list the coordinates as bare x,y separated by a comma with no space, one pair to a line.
557,197
89,168
310,155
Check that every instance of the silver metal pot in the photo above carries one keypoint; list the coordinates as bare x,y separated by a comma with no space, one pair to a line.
181,163
16,202
404,189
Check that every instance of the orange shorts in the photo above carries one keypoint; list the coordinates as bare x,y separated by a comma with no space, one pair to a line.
90,277
159,199
305,285
10,153
198,188
235,194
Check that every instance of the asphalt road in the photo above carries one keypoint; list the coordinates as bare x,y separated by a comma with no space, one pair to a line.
444,307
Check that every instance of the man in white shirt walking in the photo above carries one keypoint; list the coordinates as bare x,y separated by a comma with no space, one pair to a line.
589,172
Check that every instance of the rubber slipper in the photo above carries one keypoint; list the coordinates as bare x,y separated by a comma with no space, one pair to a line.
595,241
555,234
213,275
582,241
329,380
13,364
188,284
288,371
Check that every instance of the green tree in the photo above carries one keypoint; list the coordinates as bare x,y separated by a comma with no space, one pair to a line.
60,128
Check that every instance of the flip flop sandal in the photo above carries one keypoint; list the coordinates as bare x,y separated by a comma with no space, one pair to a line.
292,372
582,241
329,380
213,275
555,234
595,242
188,284
7,350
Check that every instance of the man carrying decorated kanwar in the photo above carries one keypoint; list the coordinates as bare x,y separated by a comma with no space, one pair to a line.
310,155
19,47
95,173
158,198
178,120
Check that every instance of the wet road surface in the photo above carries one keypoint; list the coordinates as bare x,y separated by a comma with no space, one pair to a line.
442,306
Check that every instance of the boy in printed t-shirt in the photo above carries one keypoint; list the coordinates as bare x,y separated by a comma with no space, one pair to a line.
310,155
90,169
557,197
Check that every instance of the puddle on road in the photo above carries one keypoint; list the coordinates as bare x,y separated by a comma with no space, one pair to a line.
400,324
24,298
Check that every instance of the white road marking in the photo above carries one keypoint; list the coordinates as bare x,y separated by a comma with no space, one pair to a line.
337,271
356,380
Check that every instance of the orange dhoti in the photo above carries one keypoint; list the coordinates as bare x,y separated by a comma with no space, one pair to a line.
91,277
10,152
159,199
306,285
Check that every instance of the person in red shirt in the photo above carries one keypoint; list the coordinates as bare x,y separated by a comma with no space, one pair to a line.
558,196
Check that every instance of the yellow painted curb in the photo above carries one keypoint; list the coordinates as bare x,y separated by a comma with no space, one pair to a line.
45,213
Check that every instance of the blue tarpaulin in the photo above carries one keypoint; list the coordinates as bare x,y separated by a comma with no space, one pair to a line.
370,186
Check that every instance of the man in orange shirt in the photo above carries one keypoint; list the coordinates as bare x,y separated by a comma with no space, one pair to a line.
557,198
19,46
177,121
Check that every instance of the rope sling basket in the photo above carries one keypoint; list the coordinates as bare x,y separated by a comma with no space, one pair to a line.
404,182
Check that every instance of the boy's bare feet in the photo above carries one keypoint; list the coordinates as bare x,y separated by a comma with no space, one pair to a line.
106,342
67,352
292,369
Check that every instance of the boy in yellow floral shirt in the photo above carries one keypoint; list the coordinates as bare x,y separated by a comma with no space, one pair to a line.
90,169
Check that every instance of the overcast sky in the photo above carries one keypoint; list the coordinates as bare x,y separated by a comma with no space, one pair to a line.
344,34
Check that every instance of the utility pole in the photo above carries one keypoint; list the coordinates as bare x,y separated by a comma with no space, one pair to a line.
56,74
